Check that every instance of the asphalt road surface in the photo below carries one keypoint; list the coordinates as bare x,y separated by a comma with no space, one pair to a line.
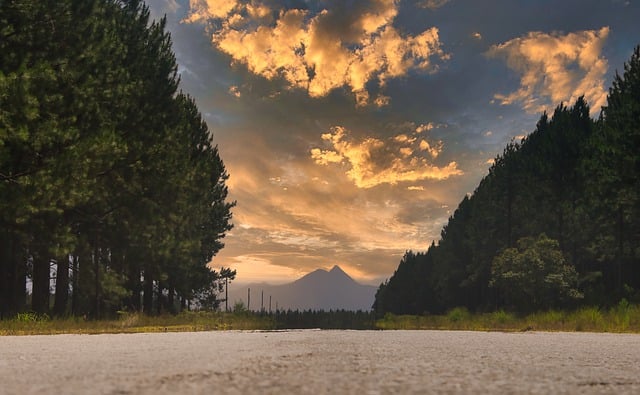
313,362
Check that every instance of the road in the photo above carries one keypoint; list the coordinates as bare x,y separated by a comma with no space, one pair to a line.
316,362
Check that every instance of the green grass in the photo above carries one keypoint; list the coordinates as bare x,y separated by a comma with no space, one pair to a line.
622,318
33,324
619,319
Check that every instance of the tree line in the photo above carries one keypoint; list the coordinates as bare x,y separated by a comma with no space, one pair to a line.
312,319
554,224
334,319
110,184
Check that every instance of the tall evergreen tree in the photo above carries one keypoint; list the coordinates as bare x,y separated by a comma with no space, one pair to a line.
108,173
613,168
573,179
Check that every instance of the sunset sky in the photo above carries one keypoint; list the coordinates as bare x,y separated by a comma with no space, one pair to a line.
351,130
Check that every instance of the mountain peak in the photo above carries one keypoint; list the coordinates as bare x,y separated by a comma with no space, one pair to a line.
336,273
318,290
336,269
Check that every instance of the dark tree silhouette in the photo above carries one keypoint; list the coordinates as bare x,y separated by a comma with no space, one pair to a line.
107,173
574,179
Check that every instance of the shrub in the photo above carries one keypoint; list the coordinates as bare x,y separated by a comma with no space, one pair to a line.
458,314
534,275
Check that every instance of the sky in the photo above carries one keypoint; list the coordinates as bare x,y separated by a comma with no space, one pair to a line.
352,129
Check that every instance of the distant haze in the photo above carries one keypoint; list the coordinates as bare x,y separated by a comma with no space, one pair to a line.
318,290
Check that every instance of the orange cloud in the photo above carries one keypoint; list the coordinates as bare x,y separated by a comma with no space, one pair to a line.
433,150
560,68
323,51
202,10
295,213
373,161
424,128
234,91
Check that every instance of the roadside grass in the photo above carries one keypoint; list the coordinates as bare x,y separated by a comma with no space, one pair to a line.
623,318
34,324
458,318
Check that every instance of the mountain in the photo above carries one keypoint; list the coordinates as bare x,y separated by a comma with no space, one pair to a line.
318,290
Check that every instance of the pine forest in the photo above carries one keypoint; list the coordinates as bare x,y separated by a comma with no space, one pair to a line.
555,223
112,194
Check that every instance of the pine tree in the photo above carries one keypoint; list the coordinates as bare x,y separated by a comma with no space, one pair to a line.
103,163
614,170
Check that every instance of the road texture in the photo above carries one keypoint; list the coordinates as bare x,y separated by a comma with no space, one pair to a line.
316,362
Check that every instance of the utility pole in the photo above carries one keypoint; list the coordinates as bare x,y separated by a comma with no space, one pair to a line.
269,304
249,299
262,301
226,294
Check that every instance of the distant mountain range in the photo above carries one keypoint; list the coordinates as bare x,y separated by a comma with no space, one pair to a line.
318,290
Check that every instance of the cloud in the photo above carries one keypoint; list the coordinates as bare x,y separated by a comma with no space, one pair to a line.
382,101
321,219
296,213
433,4
259,268
347,45
433,150
424,127
234,91
371,162
556,68
203,10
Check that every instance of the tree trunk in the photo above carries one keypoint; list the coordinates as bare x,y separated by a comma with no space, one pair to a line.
62,287
620,253
6,278
97,290
19,295
147,297
561,239
509,209
17,277
75,295
134,285
160,298
170,300
40,291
